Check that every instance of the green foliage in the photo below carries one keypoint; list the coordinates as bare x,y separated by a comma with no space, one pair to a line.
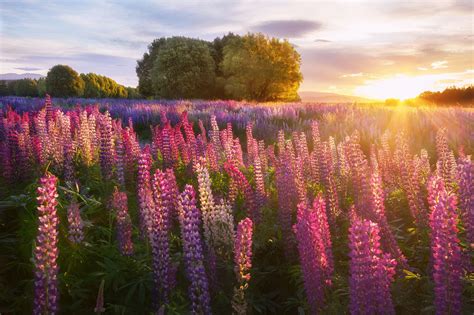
26,87
4,90
41,87
256,67
252,67
183,68
98,86
63,81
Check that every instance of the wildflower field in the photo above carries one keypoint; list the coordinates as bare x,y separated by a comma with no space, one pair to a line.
199,207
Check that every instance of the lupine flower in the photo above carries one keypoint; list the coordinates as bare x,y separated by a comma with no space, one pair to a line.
260,196
242,183
410,184
466,197
119,204
144,192
190,221
314,247
162,195
76,226
446,161
243,264
106,146
46,292
445,248
389,243
371,270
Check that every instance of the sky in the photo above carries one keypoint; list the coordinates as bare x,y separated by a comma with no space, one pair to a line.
375,49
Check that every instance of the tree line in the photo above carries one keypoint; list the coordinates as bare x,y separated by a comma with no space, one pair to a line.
463,96
250,67
63,81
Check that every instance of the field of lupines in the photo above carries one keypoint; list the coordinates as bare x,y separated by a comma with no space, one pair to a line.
135,207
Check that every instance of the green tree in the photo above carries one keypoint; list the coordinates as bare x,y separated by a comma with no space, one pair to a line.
4,91
26,87
63,81
41,87
145,65
97,86
132,93
256,67
183,68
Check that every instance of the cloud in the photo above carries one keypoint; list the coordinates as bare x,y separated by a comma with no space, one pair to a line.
288,28
352,75
28,68
320,40
439,64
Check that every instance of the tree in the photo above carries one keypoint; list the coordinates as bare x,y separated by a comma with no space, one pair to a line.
26,87
97,86
145,65
183,68
259,68
63,81
41,87
4,90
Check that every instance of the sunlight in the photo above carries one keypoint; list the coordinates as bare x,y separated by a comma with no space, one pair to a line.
400,86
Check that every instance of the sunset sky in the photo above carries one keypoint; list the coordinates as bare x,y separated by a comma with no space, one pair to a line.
375,49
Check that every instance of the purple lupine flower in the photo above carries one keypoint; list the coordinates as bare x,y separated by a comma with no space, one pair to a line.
445,248
190,221
389,242
119,204
466,197
46,292
76,226
371,270
243,264
314,247
106,146
144,192
160,231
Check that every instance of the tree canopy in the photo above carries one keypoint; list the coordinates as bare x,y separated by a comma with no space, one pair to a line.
63,81
99,86
183,68
260,68
250,67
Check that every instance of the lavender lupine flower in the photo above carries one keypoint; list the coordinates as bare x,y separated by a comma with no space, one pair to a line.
314,247
466,196
144,192
389,243
445,248
190,220
162,195
260,196
76,226
46,293
371,270
243,264
106,146
119,204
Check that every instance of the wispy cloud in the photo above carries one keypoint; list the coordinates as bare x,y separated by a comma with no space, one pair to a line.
28,68
288,28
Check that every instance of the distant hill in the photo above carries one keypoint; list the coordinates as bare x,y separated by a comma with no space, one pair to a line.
19,76
332,98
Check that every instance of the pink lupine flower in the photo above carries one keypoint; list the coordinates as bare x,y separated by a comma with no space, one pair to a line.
76,226
314,247
46,292
371,270
119,204
243,264
445,248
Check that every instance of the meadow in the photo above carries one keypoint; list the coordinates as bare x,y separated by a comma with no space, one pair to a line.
123,206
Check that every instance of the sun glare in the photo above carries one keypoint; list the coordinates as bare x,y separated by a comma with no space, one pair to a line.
400,86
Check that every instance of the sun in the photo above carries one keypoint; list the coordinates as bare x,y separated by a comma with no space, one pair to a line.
400,86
